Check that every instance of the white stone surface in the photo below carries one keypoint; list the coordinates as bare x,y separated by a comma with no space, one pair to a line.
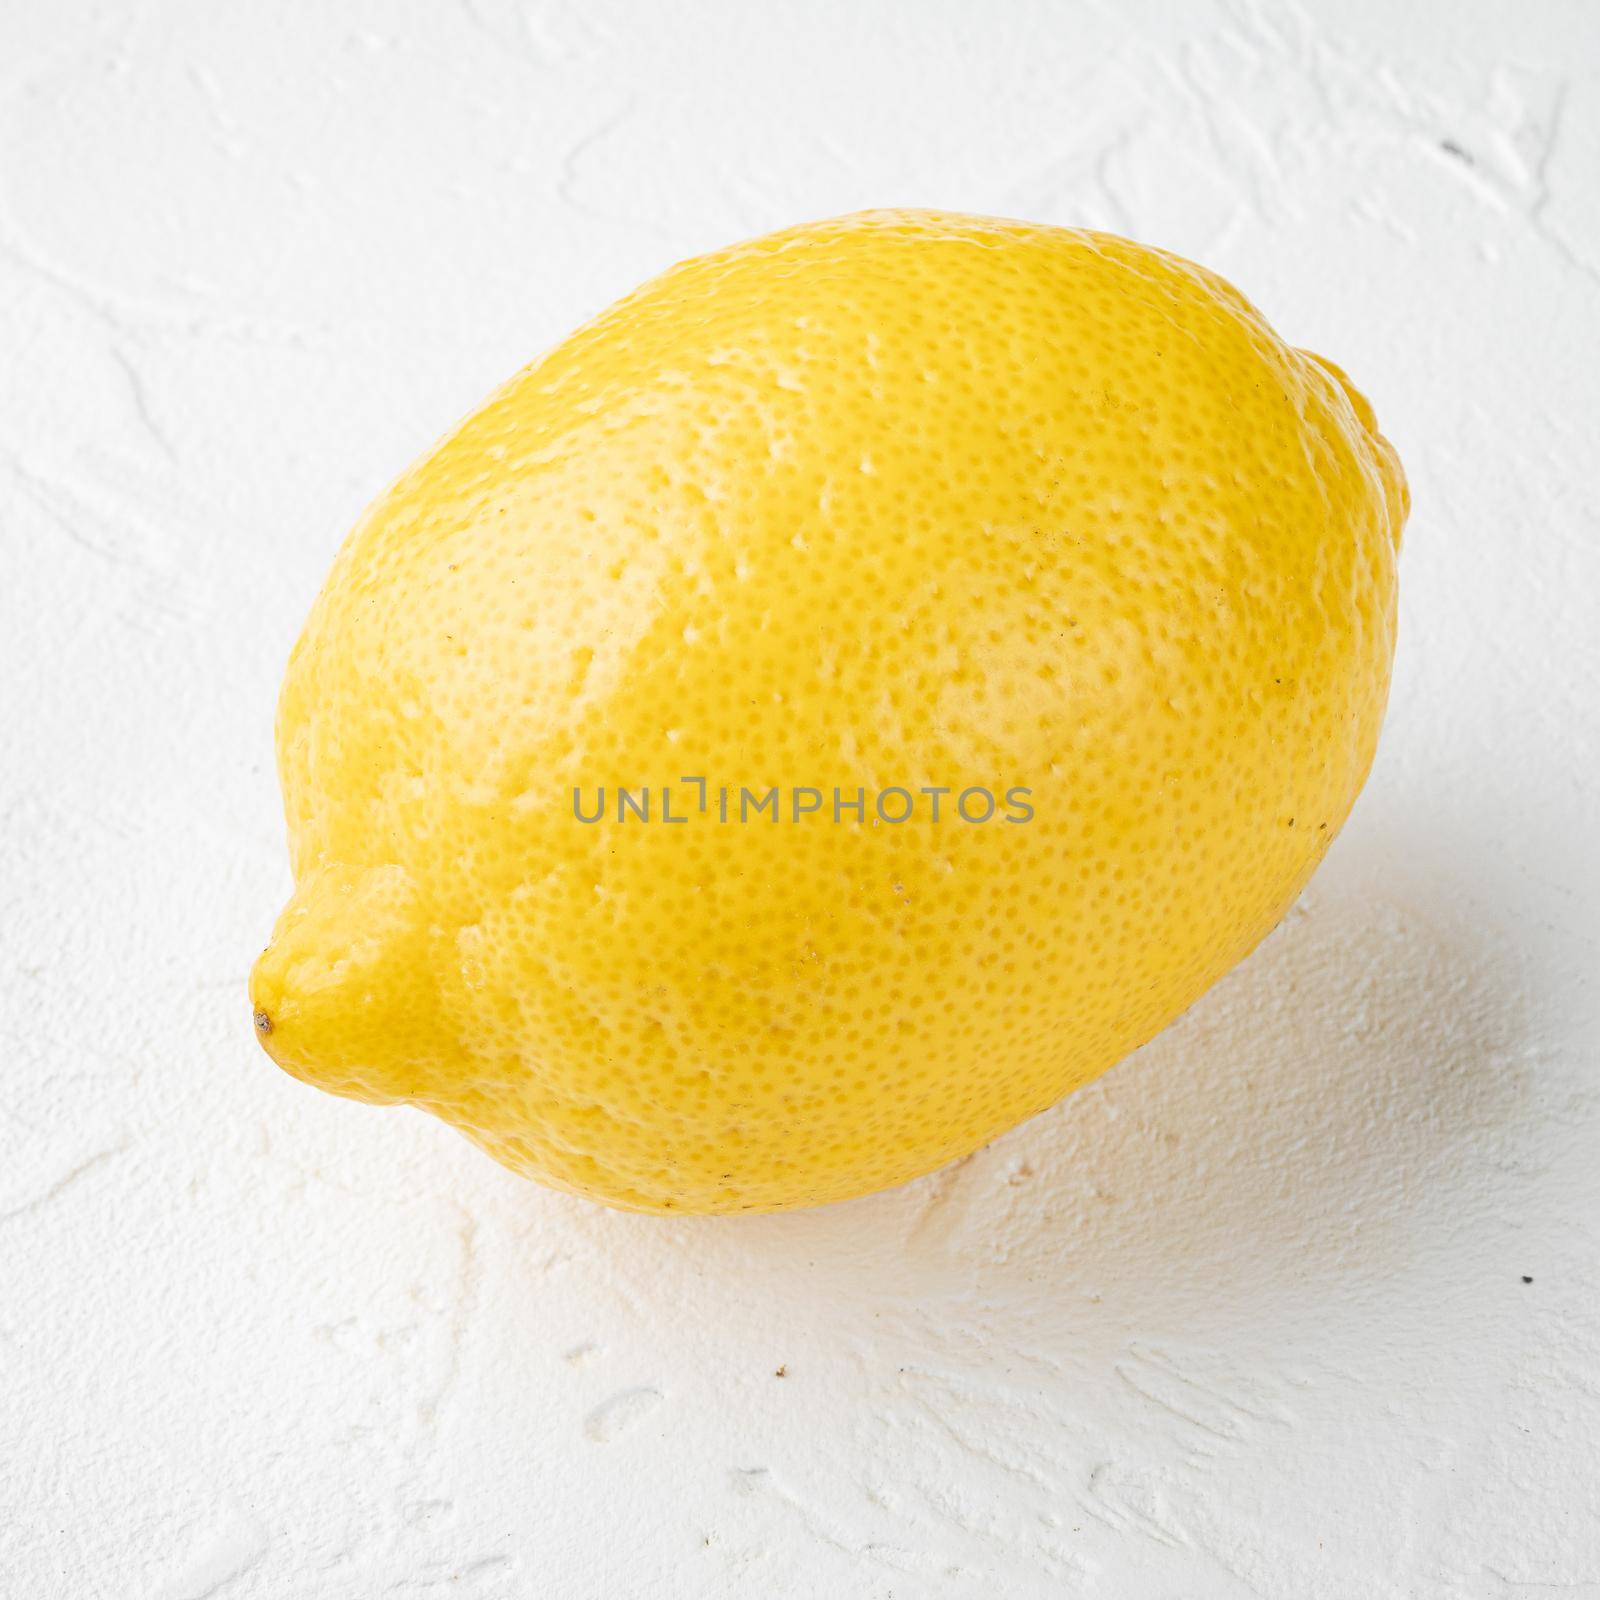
1248,1318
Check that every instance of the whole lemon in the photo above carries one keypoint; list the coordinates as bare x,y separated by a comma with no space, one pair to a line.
841,700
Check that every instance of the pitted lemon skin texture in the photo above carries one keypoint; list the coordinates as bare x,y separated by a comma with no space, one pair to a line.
902,500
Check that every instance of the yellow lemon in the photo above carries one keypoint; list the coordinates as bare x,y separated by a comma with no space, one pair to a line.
836,703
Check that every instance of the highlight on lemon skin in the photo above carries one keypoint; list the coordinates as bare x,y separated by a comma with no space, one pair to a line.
902,501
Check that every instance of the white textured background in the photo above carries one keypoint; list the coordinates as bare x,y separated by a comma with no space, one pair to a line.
1248,1318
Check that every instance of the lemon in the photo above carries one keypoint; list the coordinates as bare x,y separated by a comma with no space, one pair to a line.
1038,529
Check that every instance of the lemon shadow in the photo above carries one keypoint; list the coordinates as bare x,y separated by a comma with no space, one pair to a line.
1302,1126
